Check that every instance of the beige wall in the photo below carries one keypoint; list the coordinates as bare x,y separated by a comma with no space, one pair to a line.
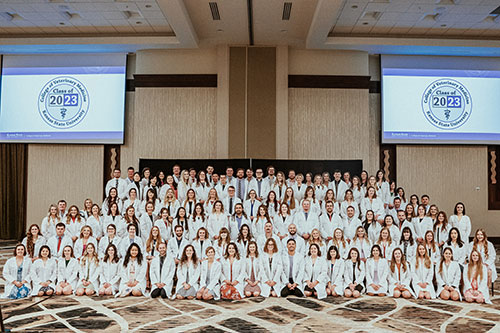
176,61
70,172
449,174
316,62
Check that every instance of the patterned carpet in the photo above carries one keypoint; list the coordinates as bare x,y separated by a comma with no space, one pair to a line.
366,314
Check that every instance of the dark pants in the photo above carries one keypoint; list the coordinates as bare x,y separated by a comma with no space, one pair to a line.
294,292
157,292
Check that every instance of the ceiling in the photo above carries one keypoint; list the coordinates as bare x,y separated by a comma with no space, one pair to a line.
376,26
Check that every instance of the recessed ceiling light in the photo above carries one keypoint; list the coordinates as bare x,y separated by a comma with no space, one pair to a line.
443,25
354,6
365,23
138,22
61,23
148,6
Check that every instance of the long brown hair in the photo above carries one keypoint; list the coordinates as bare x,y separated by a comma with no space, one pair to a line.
475,242
478,267
78,216
427,260
149,242
443,260
30,246
404,263
184,258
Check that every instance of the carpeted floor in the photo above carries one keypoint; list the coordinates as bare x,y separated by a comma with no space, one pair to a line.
366,314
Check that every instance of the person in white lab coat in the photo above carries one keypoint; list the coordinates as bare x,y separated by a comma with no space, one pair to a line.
329,221
230,201
432,249
399,275
171,203
315,273
271,269
164,223
408,245
176,245
340,243
83,241
372,202
253,270
461,221
354,274
16,273
116,182
201,243
133,273
475,277
238,219
213,196
279,186
260,185
110,238
112,197
161,273
351,224
423,274
377,271
95,221
335,272
59,241
44,273
109,275
458,247
448,276
33,241
49,222
217,220
88,273
188,274
488,253
211,271
441,229
338,186
67,272
233,274
74,223
306,220
251,205
422,223
130,239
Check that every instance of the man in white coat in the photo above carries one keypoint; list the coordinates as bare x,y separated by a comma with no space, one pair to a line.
329,222
293,270
260,185
230,201
268,233
338,186
306,220
117,182
271,178
57,242
222,187
351,223
161,273
177,244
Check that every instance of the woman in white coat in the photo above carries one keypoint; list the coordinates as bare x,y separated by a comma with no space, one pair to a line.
201,243
408,245
86,238
475,280
188,274
340,243
362,244
217,220
315,275
109,277
165,225
16,273
354,274
211,271
233,274
133,272
335,272
49,222
96,222
448,276
161,273
372,202
67,272
377,271
422,223
461,221
457,246
88,272
253,271
34,241
271,269
197,220
488,253
399,275
110,238
43,273
423,274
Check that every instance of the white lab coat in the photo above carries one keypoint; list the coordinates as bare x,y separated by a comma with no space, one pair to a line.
350,226
264,188
221,191
175,250
105,206
358,194
125,244
136,204
49,227
103,245
482,285
316,272
52,244
450,276
78,250
166,275
459,253
464,226
344,205
298,192
403,279
201,191
200,249
387,249
238,273
305,226
421,226
172,207
328,224
165,229
140,276
156,210
300,245
226,201
43,272
139,189
272,273
234,226
360,274
384,192
215,275
336,275
262,239
490,261
382,269
247,207
255,263
10,274
68,273
411,251
195,223
343,249
118,222
258,225
89,270
441,234
423,274
373,231
281,225
146,222
41,240
110,273
376,205
364,247
73,228
216,222
340,192
298,269
279,190
95,225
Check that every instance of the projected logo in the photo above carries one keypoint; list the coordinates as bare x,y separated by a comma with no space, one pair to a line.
447,104
63,102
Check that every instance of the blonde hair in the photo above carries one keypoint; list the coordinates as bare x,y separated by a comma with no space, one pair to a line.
94,258
475,242
427,260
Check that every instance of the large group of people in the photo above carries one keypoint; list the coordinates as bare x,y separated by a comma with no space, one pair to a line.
199,234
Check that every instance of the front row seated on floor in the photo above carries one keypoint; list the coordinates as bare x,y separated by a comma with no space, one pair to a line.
269,273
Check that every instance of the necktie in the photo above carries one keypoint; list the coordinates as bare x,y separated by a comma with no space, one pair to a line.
251,209
259,184
116,184
190,207
438,232
337,189
223,186
59,243
354,272
306,214
230,206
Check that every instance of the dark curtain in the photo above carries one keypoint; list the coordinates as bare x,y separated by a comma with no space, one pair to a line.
13,171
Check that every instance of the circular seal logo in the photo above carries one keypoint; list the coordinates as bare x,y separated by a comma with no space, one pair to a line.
63,102
446,104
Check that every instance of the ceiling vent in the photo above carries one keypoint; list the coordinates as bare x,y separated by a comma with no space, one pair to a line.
214,9
287,9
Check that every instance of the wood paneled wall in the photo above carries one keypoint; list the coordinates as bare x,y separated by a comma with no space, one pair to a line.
170,123
328,124
449,174
70,172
